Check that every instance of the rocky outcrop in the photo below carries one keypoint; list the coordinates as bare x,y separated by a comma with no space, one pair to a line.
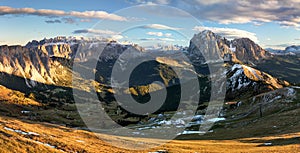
39,62
208,46
246,81
49,61
249,52
58,50
205,47
32,64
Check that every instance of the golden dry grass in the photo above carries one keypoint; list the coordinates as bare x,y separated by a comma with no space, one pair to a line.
72,140
16,97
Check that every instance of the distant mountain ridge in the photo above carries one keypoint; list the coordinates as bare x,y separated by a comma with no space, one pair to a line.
290,50
294,49
49,61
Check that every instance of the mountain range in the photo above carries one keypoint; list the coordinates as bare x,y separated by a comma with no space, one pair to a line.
290,50
43,70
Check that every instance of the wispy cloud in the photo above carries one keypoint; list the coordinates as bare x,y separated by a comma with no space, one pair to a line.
168,34
159,34
53,21
281,46
5,10
229,33
98,32
159,27
162,2
95,31
157,39
85,20
69,20
284,12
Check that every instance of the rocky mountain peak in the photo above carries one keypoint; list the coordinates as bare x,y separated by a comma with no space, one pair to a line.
244,80
208,33
248,51
207,46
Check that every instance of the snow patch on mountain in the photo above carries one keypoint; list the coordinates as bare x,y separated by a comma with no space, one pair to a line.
238,79
242,79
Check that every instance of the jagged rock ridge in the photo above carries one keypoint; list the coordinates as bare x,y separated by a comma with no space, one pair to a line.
38,60
244,80
208,46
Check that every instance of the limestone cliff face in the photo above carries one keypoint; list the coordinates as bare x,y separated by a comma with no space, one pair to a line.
49,61
205,47
249,52
208,46
244,80
57,50
36,64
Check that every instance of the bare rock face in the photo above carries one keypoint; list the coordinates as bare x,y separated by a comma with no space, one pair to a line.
205,47
246,81
57,50
49,61
208,46
242,80
249,52
34,64
46,61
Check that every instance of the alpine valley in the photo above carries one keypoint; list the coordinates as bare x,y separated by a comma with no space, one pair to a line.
261,104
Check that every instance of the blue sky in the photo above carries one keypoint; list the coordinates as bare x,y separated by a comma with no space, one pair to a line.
271,23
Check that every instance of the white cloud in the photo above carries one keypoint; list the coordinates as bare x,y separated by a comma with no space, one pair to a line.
229,33
211,2
101,33
159,27
157,39
284,12
151,2
163,2
95,31
257,23
168,34
280,46
97,14
287,24
159,34
5,10
117,37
